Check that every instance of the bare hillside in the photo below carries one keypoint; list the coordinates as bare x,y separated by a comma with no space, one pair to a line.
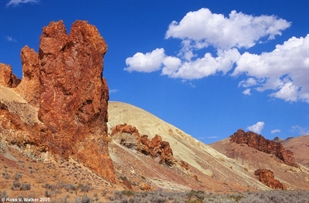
213,170
300,146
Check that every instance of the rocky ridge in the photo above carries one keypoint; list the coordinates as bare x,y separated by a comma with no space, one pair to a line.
64,82
260,143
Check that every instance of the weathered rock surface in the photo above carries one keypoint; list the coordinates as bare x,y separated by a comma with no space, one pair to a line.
65,82
29,88
7,78
73,100
268,178
155,147
260,143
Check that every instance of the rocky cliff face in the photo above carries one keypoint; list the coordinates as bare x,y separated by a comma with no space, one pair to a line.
64,80
260,143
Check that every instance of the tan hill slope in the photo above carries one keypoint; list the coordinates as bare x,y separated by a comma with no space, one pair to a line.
300,147
207,168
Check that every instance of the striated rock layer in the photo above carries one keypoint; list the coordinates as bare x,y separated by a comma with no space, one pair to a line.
260,143
64,80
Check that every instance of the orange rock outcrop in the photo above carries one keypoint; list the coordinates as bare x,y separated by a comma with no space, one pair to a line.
260,143
267,177
64,80
155,147
30,87
7,78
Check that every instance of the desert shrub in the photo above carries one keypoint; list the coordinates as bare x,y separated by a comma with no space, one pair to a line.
18,176
6,175
195,196
84,188
25,186
16,185
104,193
3,195
235,198
63,200
200,196
111,198
69,187
127,193
49,186
84,199
276,197
118,195
48,193
96,197
158,199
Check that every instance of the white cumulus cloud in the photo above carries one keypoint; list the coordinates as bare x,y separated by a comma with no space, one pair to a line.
237,30
257,128
171,64
17,2
149,62
284,70
247,91
247,83
206,66
275,131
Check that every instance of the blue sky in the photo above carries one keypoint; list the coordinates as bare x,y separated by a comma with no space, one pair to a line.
207,67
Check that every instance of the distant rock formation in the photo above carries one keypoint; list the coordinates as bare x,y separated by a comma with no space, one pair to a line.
267,177
155,147
64,80
260,143
277,139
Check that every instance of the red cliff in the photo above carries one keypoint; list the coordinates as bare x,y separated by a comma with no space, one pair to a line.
260,143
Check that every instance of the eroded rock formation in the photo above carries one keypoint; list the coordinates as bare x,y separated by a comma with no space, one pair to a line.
260,143
64,80
30,87
7,78
155,147
267,177
73,100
